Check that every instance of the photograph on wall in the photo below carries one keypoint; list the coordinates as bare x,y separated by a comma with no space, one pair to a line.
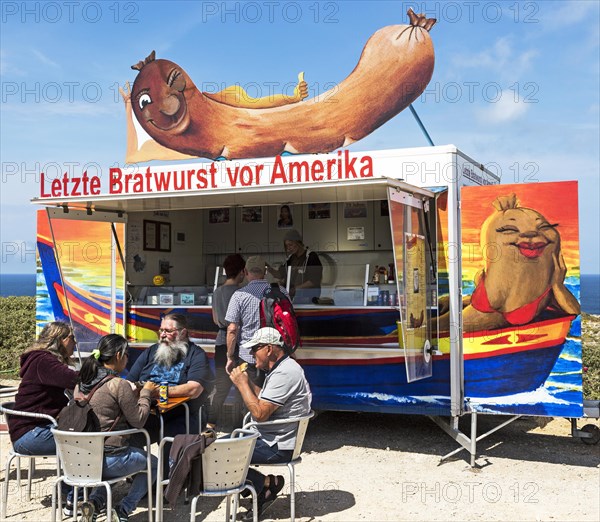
218,215
186,299
521,313
286,218
355,210
252,215
319,211
165,299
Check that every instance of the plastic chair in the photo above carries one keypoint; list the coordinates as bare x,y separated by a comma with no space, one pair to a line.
81,456
296,458
7,410
224,468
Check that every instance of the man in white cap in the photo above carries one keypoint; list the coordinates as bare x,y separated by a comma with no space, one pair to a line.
243,316
285,394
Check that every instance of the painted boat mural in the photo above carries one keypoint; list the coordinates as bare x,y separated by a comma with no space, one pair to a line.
364,369
351,355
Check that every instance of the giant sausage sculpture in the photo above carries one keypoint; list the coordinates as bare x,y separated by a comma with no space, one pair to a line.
394,69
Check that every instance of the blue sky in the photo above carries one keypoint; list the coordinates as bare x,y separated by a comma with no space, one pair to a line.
516,84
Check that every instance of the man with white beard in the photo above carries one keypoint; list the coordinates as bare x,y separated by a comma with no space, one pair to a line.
180,363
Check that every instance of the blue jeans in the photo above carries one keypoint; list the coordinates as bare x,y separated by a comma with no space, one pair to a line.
40,441
132,460
265,454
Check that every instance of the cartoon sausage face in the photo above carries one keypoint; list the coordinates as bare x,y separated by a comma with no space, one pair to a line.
161,106
394,69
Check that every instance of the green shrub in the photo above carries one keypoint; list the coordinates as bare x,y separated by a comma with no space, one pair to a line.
590,339
17,331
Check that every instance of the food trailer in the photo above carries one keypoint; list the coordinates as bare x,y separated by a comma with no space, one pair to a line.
444,292
404,238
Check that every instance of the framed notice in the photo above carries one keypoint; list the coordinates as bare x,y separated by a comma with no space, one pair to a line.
164,237
149,235
355,233
157,236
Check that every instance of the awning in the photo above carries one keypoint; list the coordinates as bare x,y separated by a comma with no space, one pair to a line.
371,189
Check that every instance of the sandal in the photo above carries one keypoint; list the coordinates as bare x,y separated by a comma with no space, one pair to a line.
265,498
276,483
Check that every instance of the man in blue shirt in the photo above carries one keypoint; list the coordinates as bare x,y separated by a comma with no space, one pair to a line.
183,365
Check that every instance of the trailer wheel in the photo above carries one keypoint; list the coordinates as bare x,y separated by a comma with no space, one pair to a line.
594,431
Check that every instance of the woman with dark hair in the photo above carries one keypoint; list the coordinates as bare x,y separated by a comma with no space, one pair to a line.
118,406
234,265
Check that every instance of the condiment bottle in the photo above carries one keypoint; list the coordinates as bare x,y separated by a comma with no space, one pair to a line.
376,275
391,273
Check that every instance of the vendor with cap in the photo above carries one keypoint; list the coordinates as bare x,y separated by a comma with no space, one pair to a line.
306,272
285,394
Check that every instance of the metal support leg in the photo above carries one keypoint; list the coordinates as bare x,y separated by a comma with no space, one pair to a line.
468,443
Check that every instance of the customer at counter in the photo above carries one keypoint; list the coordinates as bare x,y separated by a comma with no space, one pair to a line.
307,270
243,315
233,265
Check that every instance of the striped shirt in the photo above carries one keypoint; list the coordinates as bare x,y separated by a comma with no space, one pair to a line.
244,311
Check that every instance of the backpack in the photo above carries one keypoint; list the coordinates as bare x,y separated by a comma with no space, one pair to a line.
78,414
277,311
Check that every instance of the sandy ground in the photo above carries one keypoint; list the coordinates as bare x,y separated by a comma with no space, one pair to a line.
382,467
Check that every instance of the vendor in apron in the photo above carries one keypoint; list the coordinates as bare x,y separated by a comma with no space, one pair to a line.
306,270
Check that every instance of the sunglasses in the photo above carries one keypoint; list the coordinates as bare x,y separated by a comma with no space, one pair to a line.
255,349
168,330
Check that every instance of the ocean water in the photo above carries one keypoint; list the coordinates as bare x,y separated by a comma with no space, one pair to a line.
590,293
17,284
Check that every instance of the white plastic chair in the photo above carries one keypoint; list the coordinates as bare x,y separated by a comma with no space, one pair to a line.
81,457
296,458
8,391
224,468
7,410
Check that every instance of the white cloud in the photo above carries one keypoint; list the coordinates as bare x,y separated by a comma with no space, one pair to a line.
570,14
505,110
7,67
77,108
44,59
501,57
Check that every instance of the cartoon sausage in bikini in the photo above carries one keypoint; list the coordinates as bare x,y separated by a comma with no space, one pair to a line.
524,273
395,67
